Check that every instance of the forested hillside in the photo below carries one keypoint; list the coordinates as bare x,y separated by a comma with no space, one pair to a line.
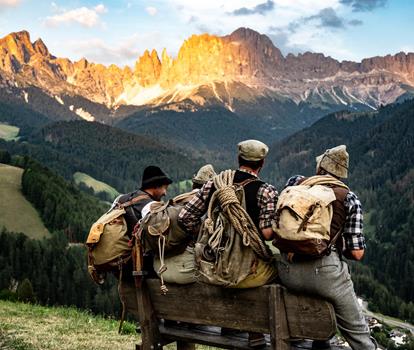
381,172
108,154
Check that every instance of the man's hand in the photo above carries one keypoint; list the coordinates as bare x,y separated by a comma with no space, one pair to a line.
267,233
354,254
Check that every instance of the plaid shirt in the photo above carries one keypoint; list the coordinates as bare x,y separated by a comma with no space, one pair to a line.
190,216
353,229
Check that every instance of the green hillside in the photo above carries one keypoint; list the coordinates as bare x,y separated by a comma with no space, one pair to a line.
96,185
17,214
109,154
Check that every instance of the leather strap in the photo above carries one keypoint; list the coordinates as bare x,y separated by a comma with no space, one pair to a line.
134,201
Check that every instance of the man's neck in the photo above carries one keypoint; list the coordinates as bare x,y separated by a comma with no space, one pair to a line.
250,170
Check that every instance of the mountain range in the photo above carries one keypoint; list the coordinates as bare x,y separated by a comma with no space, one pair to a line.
243,72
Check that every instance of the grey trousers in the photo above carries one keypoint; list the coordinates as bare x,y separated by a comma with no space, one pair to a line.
329,278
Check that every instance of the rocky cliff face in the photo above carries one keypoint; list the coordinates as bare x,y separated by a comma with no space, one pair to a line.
243,66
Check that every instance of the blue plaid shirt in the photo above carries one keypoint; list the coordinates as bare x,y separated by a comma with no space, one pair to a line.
353,230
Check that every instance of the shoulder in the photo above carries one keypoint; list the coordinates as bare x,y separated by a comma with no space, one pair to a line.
268,190
352,200
294,180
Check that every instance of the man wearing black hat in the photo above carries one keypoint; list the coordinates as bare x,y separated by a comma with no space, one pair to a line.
153,187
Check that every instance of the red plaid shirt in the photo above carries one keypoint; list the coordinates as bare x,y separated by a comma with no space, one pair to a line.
190,216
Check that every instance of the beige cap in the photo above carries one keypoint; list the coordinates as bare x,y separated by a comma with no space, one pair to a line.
252,150
205,173
335,161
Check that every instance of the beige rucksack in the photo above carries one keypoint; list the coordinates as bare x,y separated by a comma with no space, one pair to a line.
303,217
109,242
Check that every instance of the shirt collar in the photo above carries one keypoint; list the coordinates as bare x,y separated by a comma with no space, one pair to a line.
248,172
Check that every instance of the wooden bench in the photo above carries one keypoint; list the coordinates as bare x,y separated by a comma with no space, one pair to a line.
270,309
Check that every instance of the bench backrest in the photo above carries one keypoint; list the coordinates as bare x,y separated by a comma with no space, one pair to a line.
245,309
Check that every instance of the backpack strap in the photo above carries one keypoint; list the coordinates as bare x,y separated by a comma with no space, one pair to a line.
133,201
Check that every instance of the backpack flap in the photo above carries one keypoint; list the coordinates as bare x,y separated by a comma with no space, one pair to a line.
98,227
303,219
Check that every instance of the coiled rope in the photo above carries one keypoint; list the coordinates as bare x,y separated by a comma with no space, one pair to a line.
226,195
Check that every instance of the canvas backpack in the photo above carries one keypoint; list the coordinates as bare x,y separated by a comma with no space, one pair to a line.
303,217
109,242
161,233
229,243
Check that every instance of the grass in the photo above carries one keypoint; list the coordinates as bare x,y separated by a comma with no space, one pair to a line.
97,186
8,132
26,326
33,327
16,213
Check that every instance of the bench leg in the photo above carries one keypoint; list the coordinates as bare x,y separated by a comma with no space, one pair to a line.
279,331
150,335
181,345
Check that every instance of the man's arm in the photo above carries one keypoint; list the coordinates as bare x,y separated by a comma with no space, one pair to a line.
266,199
190,216
353,229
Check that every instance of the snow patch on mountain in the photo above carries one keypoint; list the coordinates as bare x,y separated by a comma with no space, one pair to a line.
85,115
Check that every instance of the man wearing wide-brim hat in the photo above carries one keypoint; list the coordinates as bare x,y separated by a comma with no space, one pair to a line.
328,276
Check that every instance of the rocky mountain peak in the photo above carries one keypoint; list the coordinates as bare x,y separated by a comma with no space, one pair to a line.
40,47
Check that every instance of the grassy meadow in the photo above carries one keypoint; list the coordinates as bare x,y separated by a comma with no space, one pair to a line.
97,186
16,213
33,327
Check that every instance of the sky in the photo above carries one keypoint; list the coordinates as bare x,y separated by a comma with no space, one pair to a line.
120,31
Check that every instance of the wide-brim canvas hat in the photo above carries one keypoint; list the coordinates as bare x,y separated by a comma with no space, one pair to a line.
204,174
335,161
153,176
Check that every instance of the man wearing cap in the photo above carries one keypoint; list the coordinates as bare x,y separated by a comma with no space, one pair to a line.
261,197
329,276
261,201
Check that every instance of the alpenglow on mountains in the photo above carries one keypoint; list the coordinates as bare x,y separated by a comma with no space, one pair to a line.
243,72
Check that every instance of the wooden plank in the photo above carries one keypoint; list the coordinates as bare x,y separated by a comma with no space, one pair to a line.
207,338
183,345
309,317
150,338
243,309
279,332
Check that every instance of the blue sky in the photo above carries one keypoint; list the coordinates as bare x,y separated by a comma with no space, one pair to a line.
119,31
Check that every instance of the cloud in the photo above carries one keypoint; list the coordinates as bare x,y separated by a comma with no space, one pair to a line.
364,5
123,52
355,22
258,9
152,11
327,18
4,4
87,17
9,2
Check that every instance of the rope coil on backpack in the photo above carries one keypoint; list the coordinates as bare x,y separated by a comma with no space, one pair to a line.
236,214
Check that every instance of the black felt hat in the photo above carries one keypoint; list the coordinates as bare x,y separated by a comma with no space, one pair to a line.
153,176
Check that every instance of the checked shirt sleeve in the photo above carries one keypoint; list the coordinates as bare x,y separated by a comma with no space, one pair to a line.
353,230
266,200
190,216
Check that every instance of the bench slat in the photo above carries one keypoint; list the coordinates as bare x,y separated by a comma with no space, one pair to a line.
244,309
309,317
